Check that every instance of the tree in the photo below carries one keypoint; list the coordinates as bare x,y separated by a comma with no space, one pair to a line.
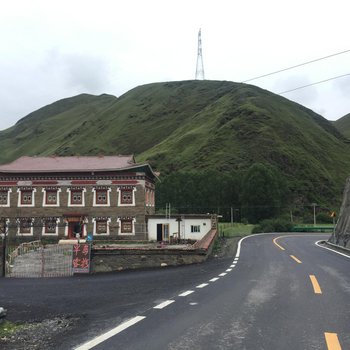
263,192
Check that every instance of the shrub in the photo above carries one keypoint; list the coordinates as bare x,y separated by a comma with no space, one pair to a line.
323,218
273,225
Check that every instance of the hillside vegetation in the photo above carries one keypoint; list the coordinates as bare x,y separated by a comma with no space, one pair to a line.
194,126
343,125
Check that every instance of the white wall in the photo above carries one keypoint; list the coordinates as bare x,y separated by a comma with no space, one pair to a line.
185,227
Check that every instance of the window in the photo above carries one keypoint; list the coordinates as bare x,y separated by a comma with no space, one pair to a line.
5,197
26,197
101,225
50,226
101,196
25,226
126,225
51,196
3,224
76,197
195,228
126,195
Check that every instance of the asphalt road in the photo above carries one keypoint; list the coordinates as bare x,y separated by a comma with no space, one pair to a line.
279,293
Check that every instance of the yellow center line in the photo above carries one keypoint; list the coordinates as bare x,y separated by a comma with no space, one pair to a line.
332,341
317,288
275,242
296,259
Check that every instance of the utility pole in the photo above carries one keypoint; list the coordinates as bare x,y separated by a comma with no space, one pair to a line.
199,65
314,205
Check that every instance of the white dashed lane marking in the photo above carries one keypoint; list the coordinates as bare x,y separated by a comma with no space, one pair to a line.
164,304
98,340
184,294
214,279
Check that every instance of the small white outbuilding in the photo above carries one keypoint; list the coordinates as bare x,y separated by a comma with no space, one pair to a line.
180,226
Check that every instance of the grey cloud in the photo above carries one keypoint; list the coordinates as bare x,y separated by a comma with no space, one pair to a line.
304,95
81,72
86,72
343,85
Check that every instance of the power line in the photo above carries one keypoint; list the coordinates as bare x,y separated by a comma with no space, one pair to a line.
296,66
318,82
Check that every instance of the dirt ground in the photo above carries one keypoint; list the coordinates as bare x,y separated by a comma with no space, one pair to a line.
225,247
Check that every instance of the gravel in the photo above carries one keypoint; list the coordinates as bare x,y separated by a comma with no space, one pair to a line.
37,335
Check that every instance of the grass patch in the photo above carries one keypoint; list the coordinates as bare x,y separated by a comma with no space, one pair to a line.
235,229
8,328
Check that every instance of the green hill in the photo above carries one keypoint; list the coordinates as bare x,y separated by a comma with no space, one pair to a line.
191,126
343,125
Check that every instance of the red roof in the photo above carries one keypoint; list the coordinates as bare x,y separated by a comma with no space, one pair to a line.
68,164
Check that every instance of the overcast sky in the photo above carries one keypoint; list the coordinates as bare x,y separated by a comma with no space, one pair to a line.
56,49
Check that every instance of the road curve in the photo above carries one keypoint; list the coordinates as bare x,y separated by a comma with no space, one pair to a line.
280,292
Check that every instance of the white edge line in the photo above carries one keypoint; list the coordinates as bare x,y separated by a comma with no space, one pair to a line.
214,279
103,337
202,285
238,252
164,304
184,294
334,251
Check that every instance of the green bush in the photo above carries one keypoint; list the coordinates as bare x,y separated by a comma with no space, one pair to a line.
273,225
323,218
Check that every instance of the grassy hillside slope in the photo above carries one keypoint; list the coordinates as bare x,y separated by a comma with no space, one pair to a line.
51,129
192,125
343,125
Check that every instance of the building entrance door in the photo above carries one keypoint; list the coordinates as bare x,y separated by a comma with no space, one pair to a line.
75,224
74,227
162,232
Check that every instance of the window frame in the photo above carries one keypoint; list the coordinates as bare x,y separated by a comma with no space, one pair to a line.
195,228
120,191
46,220
121,221
19,226
21,192
70,191
46,191
6,192
96,220
96,191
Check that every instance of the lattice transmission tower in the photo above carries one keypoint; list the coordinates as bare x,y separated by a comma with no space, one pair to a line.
199,65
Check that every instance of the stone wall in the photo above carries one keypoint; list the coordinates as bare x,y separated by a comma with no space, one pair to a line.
117,259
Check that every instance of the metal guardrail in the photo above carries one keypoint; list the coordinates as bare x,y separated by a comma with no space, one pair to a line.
312,229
